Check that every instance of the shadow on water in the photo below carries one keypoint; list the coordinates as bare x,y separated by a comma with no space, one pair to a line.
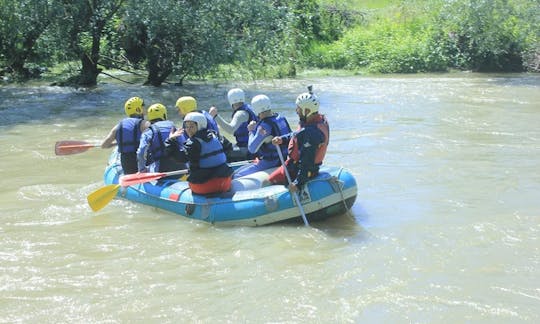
344,226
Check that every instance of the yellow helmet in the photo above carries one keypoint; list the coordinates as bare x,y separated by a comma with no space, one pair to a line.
186,104
134,106
157,111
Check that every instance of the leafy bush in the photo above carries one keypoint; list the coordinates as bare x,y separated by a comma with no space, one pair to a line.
486,35
383,47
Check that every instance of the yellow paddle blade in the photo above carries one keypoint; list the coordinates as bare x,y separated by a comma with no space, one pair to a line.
101,197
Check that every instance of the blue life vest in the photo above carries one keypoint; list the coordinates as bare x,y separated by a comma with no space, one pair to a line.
210,122
279,126
242,133
212,154
160,132
128,135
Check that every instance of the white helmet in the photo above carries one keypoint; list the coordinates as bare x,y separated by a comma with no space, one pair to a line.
236,95
260,103
309,101
198,118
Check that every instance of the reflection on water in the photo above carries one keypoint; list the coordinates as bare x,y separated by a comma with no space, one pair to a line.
445,226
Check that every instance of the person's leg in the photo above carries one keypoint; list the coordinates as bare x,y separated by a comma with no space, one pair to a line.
237,154
259,165
129,162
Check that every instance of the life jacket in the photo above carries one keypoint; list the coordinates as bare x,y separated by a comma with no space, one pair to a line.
160,132
279,126
210,122
242,134
128,134
212,154
322,125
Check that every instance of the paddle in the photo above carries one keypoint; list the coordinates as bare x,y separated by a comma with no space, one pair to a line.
136,178
295,194
101,197
72,147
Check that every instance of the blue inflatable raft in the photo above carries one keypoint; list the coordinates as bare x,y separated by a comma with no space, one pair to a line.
332,192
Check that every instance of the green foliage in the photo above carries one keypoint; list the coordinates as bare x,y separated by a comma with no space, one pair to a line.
197,39
251,39
385,45
426,36
487,35
22,24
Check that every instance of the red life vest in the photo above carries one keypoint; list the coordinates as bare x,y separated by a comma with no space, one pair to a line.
322,125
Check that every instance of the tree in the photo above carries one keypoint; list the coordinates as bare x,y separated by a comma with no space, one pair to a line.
82,24
484,35
23,22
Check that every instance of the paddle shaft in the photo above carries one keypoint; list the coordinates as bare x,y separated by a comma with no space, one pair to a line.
295,194
80,146
136,178
72,147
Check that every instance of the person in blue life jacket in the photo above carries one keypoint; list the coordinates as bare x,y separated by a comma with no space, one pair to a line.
307,145
261,133
242,115
127,134
209,172
151,154
188,104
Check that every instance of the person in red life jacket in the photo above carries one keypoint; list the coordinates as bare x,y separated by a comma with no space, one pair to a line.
127,134
242,115
261,133
307,145
151,155
209,172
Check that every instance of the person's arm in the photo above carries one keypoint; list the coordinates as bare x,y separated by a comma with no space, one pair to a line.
308,142
144,125
141,151
110,140
263,134
174,146
239,118
278,140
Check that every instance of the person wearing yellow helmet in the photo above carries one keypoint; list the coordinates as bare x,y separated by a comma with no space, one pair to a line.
242,115
151,154
127,134
261,133
307,145
208,169
188,104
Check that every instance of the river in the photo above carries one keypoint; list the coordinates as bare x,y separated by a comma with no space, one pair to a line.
445,228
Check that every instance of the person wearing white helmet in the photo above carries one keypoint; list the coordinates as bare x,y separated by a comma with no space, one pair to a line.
188,104
307,145
127,134
209,172
242,115
151,155
261,133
